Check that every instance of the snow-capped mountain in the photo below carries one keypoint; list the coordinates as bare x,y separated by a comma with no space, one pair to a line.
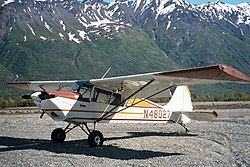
93,18
134,36
68,20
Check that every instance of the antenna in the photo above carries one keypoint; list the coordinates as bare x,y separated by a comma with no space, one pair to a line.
106,73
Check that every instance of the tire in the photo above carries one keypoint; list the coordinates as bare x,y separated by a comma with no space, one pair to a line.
95,139
58,135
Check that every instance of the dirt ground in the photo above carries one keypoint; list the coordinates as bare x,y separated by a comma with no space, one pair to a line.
225,141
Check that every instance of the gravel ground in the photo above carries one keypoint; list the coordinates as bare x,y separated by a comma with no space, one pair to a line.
25,141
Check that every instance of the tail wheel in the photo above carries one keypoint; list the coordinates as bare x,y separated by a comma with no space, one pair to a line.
58,135
95,139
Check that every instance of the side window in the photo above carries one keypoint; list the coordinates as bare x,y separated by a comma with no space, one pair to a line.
101,96
106,97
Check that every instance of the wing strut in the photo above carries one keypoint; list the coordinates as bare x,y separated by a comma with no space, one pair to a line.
107,114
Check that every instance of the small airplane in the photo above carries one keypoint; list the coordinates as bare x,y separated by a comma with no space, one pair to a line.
125,99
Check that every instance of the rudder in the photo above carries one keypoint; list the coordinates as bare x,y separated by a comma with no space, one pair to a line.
181,100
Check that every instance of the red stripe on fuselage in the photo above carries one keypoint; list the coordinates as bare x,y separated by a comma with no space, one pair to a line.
68,95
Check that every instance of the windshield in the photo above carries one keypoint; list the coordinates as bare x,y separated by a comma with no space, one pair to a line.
84,90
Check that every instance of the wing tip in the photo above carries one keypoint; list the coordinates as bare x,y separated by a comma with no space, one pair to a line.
239,76
19,84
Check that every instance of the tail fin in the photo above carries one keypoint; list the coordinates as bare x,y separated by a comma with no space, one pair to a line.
181,100
182,109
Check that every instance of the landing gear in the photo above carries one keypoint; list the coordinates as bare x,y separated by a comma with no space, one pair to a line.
58,135
95,138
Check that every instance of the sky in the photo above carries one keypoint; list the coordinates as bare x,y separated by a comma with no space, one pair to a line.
235,2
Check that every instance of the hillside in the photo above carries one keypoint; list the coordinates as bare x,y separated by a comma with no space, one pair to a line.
54,40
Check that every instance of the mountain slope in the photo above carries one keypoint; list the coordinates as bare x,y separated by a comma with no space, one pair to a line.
34,51
194,35
53,40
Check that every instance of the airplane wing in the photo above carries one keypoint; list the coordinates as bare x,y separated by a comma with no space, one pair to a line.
43,85
221,73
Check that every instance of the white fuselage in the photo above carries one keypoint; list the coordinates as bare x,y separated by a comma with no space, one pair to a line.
77,111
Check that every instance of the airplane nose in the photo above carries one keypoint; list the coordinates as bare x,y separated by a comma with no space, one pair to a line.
35,97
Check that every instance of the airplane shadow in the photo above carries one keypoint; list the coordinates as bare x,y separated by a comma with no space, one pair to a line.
81,147
144,134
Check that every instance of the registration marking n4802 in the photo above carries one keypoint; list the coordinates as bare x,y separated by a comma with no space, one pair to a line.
156,113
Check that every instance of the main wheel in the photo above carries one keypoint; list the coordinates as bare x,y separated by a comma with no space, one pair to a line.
95,139
58,135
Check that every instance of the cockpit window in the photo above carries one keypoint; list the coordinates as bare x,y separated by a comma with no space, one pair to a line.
85,91
74,87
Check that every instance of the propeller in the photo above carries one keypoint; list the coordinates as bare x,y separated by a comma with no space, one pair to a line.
37,97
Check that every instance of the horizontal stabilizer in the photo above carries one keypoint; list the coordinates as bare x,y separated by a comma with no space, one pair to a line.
193,115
